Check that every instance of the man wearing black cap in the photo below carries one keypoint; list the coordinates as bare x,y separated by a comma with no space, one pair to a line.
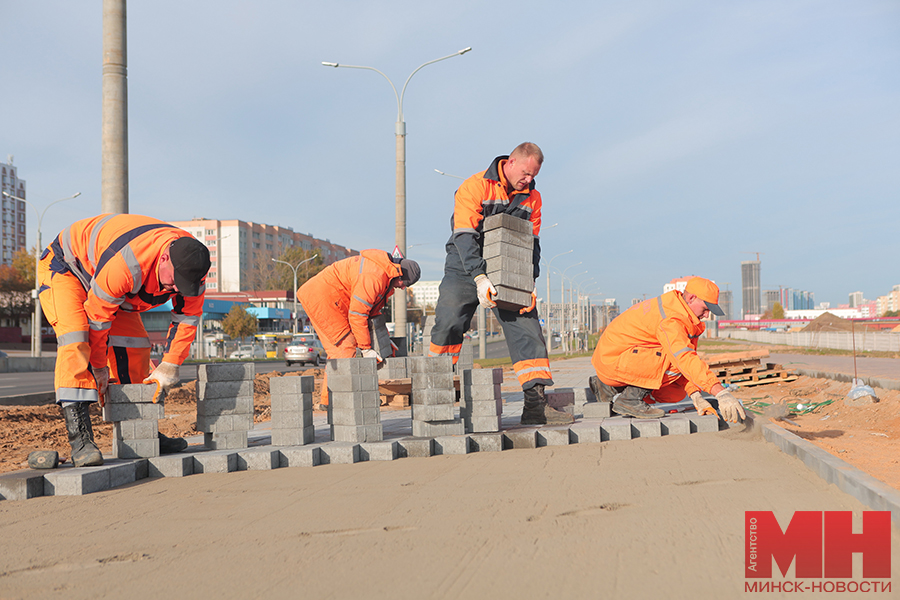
342,297
95,278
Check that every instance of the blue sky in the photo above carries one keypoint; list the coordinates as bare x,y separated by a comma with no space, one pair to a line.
680,137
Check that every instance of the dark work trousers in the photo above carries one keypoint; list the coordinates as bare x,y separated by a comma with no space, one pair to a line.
457,301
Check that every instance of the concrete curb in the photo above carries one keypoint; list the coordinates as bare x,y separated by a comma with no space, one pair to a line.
36,399
865,488
885,384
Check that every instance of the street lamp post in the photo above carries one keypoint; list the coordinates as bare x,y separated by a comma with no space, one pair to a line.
294,269
36,321
549,333
400,135
562,298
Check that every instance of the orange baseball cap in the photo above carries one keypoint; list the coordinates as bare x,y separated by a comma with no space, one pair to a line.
707,291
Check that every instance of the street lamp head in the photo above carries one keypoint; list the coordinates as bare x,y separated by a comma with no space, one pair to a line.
464,50
330,64
76,194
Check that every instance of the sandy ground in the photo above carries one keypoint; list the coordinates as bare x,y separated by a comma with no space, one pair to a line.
647,518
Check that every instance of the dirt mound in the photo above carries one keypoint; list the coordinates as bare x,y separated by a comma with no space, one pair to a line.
828,322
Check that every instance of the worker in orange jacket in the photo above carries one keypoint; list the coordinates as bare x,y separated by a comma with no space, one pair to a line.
95,278
507,186
649,354
340,299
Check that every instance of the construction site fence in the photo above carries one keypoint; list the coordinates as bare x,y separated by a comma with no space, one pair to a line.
837,340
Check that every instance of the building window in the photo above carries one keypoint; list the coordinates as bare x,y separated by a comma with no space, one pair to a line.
21,217
255,235
212,252
210,232
268,246
22,195
21,229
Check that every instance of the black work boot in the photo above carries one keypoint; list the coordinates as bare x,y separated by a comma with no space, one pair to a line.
538,412
81,437
169,445
630,402
602,392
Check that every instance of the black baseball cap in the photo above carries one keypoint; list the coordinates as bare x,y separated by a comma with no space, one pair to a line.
410,271
191,261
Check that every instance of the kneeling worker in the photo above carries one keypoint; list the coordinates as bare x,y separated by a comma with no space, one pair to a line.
95,278
649,353
342,297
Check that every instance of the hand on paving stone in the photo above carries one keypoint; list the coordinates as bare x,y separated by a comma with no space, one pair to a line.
531,306
166,375
370,353
730,407
101,376
486,291
703,407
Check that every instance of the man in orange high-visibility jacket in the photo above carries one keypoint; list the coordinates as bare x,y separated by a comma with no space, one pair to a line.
95,278
341,298
649,353
507,186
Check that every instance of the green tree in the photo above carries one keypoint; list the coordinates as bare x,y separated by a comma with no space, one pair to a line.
23,263
284,276
777,311
15,295
239,323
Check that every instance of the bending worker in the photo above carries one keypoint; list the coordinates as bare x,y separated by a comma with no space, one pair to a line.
649,354
507,186
341,298
95,278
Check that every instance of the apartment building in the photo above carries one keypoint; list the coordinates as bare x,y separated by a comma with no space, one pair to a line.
13,219
241,252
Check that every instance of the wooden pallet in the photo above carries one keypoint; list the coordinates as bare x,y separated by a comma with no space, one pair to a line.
786,379
754,375
396,392
735,359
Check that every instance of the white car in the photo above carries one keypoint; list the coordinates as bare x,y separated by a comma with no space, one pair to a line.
250,351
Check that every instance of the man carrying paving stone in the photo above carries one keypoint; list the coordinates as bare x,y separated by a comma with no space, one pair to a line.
340,300
649,354
506,187
95,278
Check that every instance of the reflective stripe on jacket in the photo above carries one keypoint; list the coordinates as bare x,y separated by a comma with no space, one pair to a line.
343,296
483,195
652,344
116,258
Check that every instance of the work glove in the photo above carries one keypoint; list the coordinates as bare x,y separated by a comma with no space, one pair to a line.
486,291
703,407
165,375
730,407
101,376
531,306
370,353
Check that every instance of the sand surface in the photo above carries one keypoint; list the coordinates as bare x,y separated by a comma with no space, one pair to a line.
646,518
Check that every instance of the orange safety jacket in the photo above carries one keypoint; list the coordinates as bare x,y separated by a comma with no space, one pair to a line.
651,345
116,258
343,296
483,195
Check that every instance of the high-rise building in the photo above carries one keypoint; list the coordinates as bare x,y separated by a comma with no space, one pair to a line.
241,252
14,217
726,303
750,287
856,299
425,293
771,297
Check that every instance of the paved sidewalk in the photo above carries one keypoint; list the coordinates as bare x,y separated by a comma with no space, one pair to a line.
882,368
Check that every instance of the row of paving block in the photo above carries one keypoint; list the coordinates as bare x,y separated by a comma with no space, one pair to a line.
26,484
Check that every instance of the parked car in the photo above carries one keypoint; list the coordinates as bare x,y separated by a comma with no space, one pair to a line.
305,350
250,351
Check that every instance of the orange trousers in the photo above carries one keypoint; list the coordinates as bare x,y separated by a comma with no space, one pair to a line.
128,354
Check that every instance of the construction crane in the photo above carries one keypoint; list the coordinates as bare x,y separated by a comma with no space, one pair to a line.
756,253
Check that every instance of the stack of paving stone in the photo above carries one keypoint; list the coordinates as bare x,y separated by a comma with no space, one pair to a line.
481,404
225,404
354,404
394,368
292,418
426,335
381,339
509,253
466,358
433,397
135,418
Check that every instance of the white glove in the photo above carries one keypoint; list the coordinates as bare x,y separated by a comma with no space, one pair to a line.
101,376
486,290
703,407
730,407
166,375
370,353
